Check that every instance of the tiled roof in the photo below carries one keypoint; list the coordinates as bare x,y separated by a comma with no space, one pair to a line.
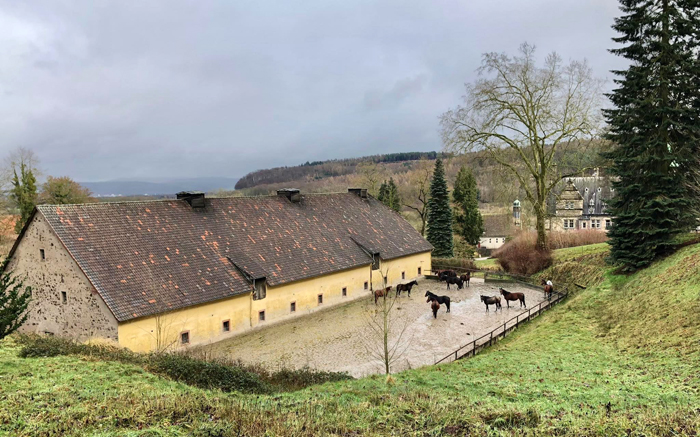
146,258
498,225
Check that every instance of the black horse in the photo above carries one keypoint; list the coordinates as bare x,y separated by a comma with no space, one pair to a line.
443,275
455,280
405,287
439,299
491,300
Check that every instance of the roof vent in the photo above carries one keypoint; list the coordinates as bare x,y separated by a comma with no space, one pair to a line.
359,192
194,198
292,194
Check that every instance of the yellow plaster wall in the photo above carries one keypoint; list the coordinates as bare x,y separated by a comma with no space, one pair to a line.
205,322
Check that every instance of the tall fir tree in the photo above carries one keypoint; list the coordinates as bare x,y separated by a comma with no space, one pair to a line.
468,221
654,124
389,195
440,214
14,301
24,194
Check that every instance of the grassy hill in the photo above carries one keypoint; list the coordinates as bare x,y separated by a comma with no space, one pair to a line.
619,358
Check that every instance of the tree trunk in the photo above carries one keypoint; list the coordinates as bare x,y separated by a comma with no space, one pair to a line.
541,215
386,338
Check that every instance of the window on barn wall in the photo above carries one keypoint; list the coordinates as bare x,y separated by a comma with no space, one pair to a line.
261,315
260,289
226,325
345,291
403,275
185,337
64,297
419,271
320,299
366,285
293,307
42,253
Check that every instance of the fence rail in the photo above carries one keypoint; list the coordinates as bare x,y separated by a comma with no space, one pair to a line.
475,346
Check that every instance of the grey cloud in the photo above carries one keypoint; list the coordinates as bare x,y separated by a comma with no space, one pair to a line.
158,89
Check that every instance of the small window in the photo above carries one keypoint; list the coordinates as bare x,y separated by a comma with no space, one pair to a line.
403,274
261,316
320,299
293,307
489,240
366,285
226,326
419,271
185,337
345,291
43,254
64,297
608,223
583,225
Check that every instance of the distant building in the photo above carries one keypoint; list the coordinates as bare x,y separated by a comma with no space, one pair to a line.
196,270
497,228
581,204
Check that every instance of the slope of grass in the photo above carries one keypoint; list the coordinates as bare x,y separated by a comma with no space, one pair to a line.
620,358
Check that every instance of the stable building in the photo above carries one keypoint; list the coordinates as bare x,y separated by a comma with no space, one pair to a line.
156,274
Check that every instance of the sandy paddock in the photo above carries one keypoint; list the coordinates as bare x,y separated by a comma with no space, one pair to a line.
333,339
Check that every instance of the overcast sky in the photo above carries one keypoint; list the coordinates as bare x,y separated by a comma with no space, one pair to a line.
157,89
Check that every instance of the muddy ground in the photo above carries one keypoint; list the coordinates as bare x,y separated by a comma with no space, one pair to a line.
339,338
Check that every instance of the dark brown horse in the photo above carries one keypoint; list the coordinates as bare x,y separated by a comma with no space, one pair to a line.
548,290
444,274
405,287
435,306
508,296
381,293
466,278
491,300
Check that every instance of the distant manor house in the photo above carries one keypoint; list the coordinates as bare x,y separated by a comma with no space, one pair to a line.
195,270
581,204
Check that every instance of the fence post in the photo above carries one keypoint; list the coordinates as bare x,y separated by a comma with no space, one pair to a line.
455,355
504,330
474,348
491,339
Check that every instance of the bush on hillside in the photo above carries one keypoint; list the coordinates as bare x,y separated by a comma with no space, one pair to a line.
194,367
521,256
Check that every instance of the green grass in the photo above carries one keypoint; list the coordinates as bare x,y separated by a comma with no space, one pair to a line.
488,264
619,358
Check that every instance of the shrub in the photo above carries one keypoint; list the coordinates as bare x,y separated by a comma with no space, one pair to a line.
521,256
206,374
195,367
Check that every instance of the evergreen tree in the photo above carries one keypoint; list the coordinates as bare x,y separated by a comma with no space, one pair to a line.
468,221
394,201
440,214
389,195
14,300
654,124
24,194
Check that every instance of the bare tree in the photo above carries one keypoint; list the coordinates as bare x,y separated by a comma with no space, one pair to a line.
13,161
419,191
533,113
371,176
385,338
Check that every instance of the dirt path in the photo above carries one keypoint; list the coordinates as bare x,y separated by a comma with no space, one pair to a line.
336,339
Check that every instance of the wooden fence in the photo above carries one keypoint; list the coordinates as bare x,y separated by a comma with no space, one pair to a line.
475,346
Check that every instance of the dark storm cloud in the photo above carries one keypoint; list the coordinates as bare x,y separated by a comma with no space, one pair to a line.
104,90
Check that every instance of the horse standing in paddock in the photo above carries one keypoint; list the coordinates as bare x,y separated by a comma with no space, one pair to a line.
508,296
443,275
491,300
454,280
405,287
548,290
466,278
384,292
435,306
439,299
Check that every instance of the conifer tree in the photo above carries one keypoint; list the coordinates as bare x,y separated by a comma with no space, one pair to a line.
14,300
468,221
24,194
440,214
654,124
394,196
